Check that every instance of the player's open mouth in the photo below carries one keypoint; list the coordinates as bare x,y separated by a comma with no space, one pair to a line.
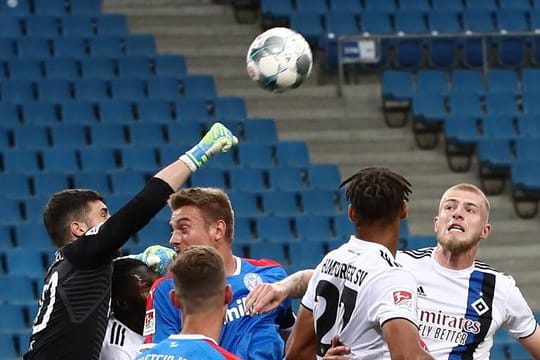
455,227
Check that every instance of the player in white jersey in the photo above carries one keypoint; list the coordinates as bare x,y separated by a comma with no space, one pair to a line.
131,282
462,301
358,291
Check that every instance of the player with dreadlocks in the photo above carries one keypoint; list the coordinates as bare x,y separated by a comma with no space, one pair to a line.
358,292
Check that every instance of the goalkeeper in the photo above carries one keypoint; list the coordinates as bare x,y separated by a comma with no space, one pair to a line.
72,313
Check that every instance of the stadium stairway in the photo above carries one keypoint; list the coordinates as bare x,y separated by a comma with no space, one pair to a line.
348,131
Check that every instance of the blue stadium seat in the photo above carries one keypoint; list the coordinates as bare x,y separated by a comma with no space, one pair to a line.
134,66
515,4
501,127
242,231
244,205
78,112
199,86
263,250
10,27
15,185
342,23
287,178
444,21
276,229
376,22
442,53
24,69
534,19
323,176
154,110
5,134
140,44
530,80
9,113
20,161
60,160
183,132
511,52
432,82
447,5
97,180
410,22
18,91
213,177
261,131
33,209
305,256
72,136
527,148
116,111
397,85
17,289
147,134
467,82
77,26
501,104
409,54
98,159
127,182
98,67
478,21
36,47
70,46
490,5
111,24
473,53
54,90
50,182
414,5
247,179
173,65
50,7
229,108
7,48
466,105
292,153
280,203
388,6
7,238
168,88
316,6
275,11
255,155
106,46
528,125
461,133
91,90
10,211
319,202
42,26
525,180
512,20
502,81
495,158
350,6
40,113
309,24
128,89
32,236
530,103
31,137
139,158
313,228
85,7
157,231
27,262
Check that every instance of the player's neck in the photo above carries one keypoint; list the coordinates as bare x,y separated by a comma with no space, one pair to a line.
455,261
208,324
230,262
385,235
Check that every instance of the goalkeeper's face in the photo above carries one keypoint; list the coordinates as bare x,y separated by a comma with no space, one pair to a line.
190,228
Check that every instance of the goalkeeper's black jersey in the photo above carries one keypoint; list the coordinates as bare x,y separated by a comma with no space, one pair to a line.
74,305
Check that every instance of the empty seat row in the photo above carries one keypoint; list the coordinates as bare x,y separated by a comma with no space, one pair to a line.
49,7
66,25
169,88
78,47
101,67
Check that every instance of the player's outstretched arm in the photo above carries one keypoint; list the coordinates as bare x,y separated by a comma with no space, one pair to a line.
217,139
532,343
266,297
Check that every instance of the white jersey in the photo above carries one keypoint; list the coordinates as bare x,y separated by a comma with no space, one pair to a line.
459,311
120,343
353,292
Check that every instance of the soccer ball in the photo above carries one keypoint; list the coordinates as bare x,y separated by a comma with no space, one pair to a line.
279,59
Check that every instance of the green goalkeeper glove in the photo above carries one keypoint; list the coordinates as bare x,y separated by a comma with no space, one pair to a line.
217,139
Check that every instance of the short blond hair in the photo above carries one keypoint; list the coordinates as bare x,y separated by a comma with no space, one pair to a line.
470,188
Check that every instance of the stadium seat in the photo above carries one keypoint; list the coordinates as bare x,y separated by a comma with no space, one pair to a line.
157,231
36,47
18,91
154,110
397,89
316,6
134,67
73,47
502,81
5,135
534,19
69,136
244,205
409,54
260,131
292,153
494,160
432,82
128,89
98,67
313,228
528,125
33,208
323,176
388,6
49,182
501,104
140,44
511,52
60,160
78,112
442,53
10,27
525,180
527,148
410,22
229,108
9,115
350,6
54,90
212,177
127,182
478,21
139,158
10,211
40,113
515,4
512,20
77,26
7,238
28,262
276,229
530,79
120,111
275,12
147,134
15,185
467,82
247,179
309,24
255,155
98,159
31,137
111,24
287,178
173,65
466,104
85,7
530,104
106,46
343,227
22,161
489,5
32,236
376,22
420,241
280,203
267,250
242,231
168,88
305,256
199,86
8,351
113,135
461,134
447,5
42,26
97,180
499,127
91,90
23,8
319,202
24,69
341,23
473,53
7,48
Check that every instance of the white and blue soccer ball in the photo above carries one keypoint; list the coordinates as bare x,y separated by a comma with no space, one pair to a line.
279,59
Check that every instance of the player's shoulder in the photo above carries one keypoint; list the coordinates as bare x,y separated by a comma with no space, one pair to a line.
261,263
162,282
414,257
116,333
483,267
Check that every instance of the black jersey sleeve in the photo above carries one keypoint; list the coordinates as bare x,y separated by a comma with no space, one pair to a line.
97,247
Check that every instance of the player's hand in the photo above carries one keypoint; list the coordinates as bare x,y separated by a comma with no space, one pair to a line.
265,297
217,139
156,257
338,351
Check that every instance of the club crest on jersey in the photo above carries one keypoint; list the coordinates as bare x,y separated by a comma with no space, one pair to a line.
403,299
149,322
251,280
480,306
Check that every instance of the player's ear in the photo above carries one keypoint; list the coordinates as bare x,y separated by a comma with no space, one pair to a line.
77,228
174,299
228,294
404,210
351,213
219,229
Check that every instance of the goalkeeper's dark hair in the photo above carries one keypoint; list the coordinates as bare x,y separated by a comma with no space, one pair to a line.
64,207
376,194
121,275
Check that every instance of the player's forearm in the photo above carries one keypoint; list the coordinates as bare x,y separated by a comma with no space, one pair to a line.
175,174
296,284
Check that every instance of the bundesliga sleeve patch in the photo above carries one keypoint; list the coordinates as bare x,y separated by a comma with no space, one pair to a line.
403,299
149,322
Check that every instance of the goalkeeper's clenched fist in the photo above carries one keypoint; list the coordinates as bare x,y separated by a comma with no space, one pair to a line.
217,139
